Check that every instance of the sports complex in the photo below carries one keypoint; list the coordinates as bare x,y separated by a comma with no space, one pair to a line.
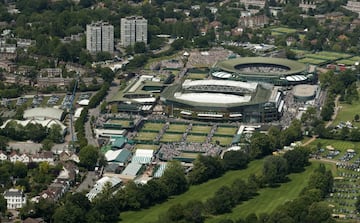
276,71
224,100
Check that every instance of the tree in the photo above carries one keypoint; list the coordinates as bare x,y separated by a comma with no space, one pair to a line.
20,170
139,47
356,117
297,159
88,156
55,133
320,212
205,168
235,160
222,202
174,178
3,204
260,145
275,170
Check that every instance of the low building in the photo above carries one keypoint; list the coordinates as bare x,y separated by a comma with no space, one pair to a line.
3,156
15,199
44,156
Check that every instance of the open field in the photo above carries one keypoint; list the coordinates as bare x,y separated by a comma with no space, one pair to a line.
195,138
284,30
146,136
201,129
152,126
197,192
223,141
167,137
270,198
177,128
226,131
147,146
347,112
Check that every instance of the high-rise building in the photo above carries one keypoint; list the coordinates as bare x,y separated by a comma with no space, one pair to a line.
133,29
100,37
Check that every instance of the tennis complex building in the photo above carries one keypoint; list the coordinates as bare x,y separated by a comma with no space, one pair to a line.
223,100
276,71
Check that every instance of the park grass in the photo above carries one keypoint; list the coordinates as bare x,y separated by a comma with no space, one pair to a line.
223,141
226,131
152,126
312,60
284,30
269,199
347,112
200,129
177,128
146,136
197,192
195,138
167,137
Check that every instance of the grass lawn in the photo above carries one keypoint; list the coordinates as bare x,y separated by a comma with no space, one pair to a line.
171,137
197,192
152,126
146,136
201,129
284,30
224,141
195,138
311,60
122,122
177,128
270,198
226,131
347,113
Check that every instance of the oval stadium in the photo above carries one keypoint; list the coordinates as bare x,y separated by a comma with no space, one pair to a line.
276,71
223,100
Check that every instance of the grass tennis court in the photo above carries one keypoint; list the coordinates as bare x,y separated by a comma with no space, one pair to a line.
147,146
146,136
223,141
284,30
167,137
312,60
189,155
177,128
152,126
201,129
196,76
226,130
122,122
195,138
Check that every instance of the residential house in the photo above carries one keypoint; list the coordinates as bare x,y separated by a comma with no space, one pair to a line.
67,156
44,156
3,156
25,158
15,199
14,157
7,65
34,220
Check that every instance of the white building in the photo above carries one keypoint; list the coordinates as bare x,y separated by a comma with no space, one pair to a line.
100,37
3,156
15,199
133,29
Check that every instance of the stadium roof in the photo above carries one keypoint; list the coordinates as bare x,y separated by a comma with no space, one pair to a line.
99,186
120,156
230,65
43,113
250,86
132,169
215,98
45,123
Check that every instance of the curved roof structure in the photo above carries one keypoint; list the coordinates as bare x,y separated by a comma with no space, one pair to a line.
44,113
220,86
304,90
280,66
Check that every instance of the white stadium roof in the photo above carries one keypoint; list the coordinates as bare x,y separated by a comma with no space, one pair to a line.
237,84
296,78
45,123
223,75
215,98
99,186
112,154
43,113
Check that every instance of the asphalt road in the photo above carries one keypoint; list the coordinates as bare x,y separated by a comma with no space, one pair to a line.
114,89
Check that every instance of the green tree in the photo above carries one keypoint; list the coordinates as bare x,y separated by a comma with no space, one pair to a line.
20,170
205,168
88,156
297,159
320,212
174,178
55,133
275,170
3,204
139,47
260,145
235,160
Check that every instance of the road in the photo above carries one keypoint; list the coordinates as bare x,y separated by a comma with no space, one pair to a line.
95,112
